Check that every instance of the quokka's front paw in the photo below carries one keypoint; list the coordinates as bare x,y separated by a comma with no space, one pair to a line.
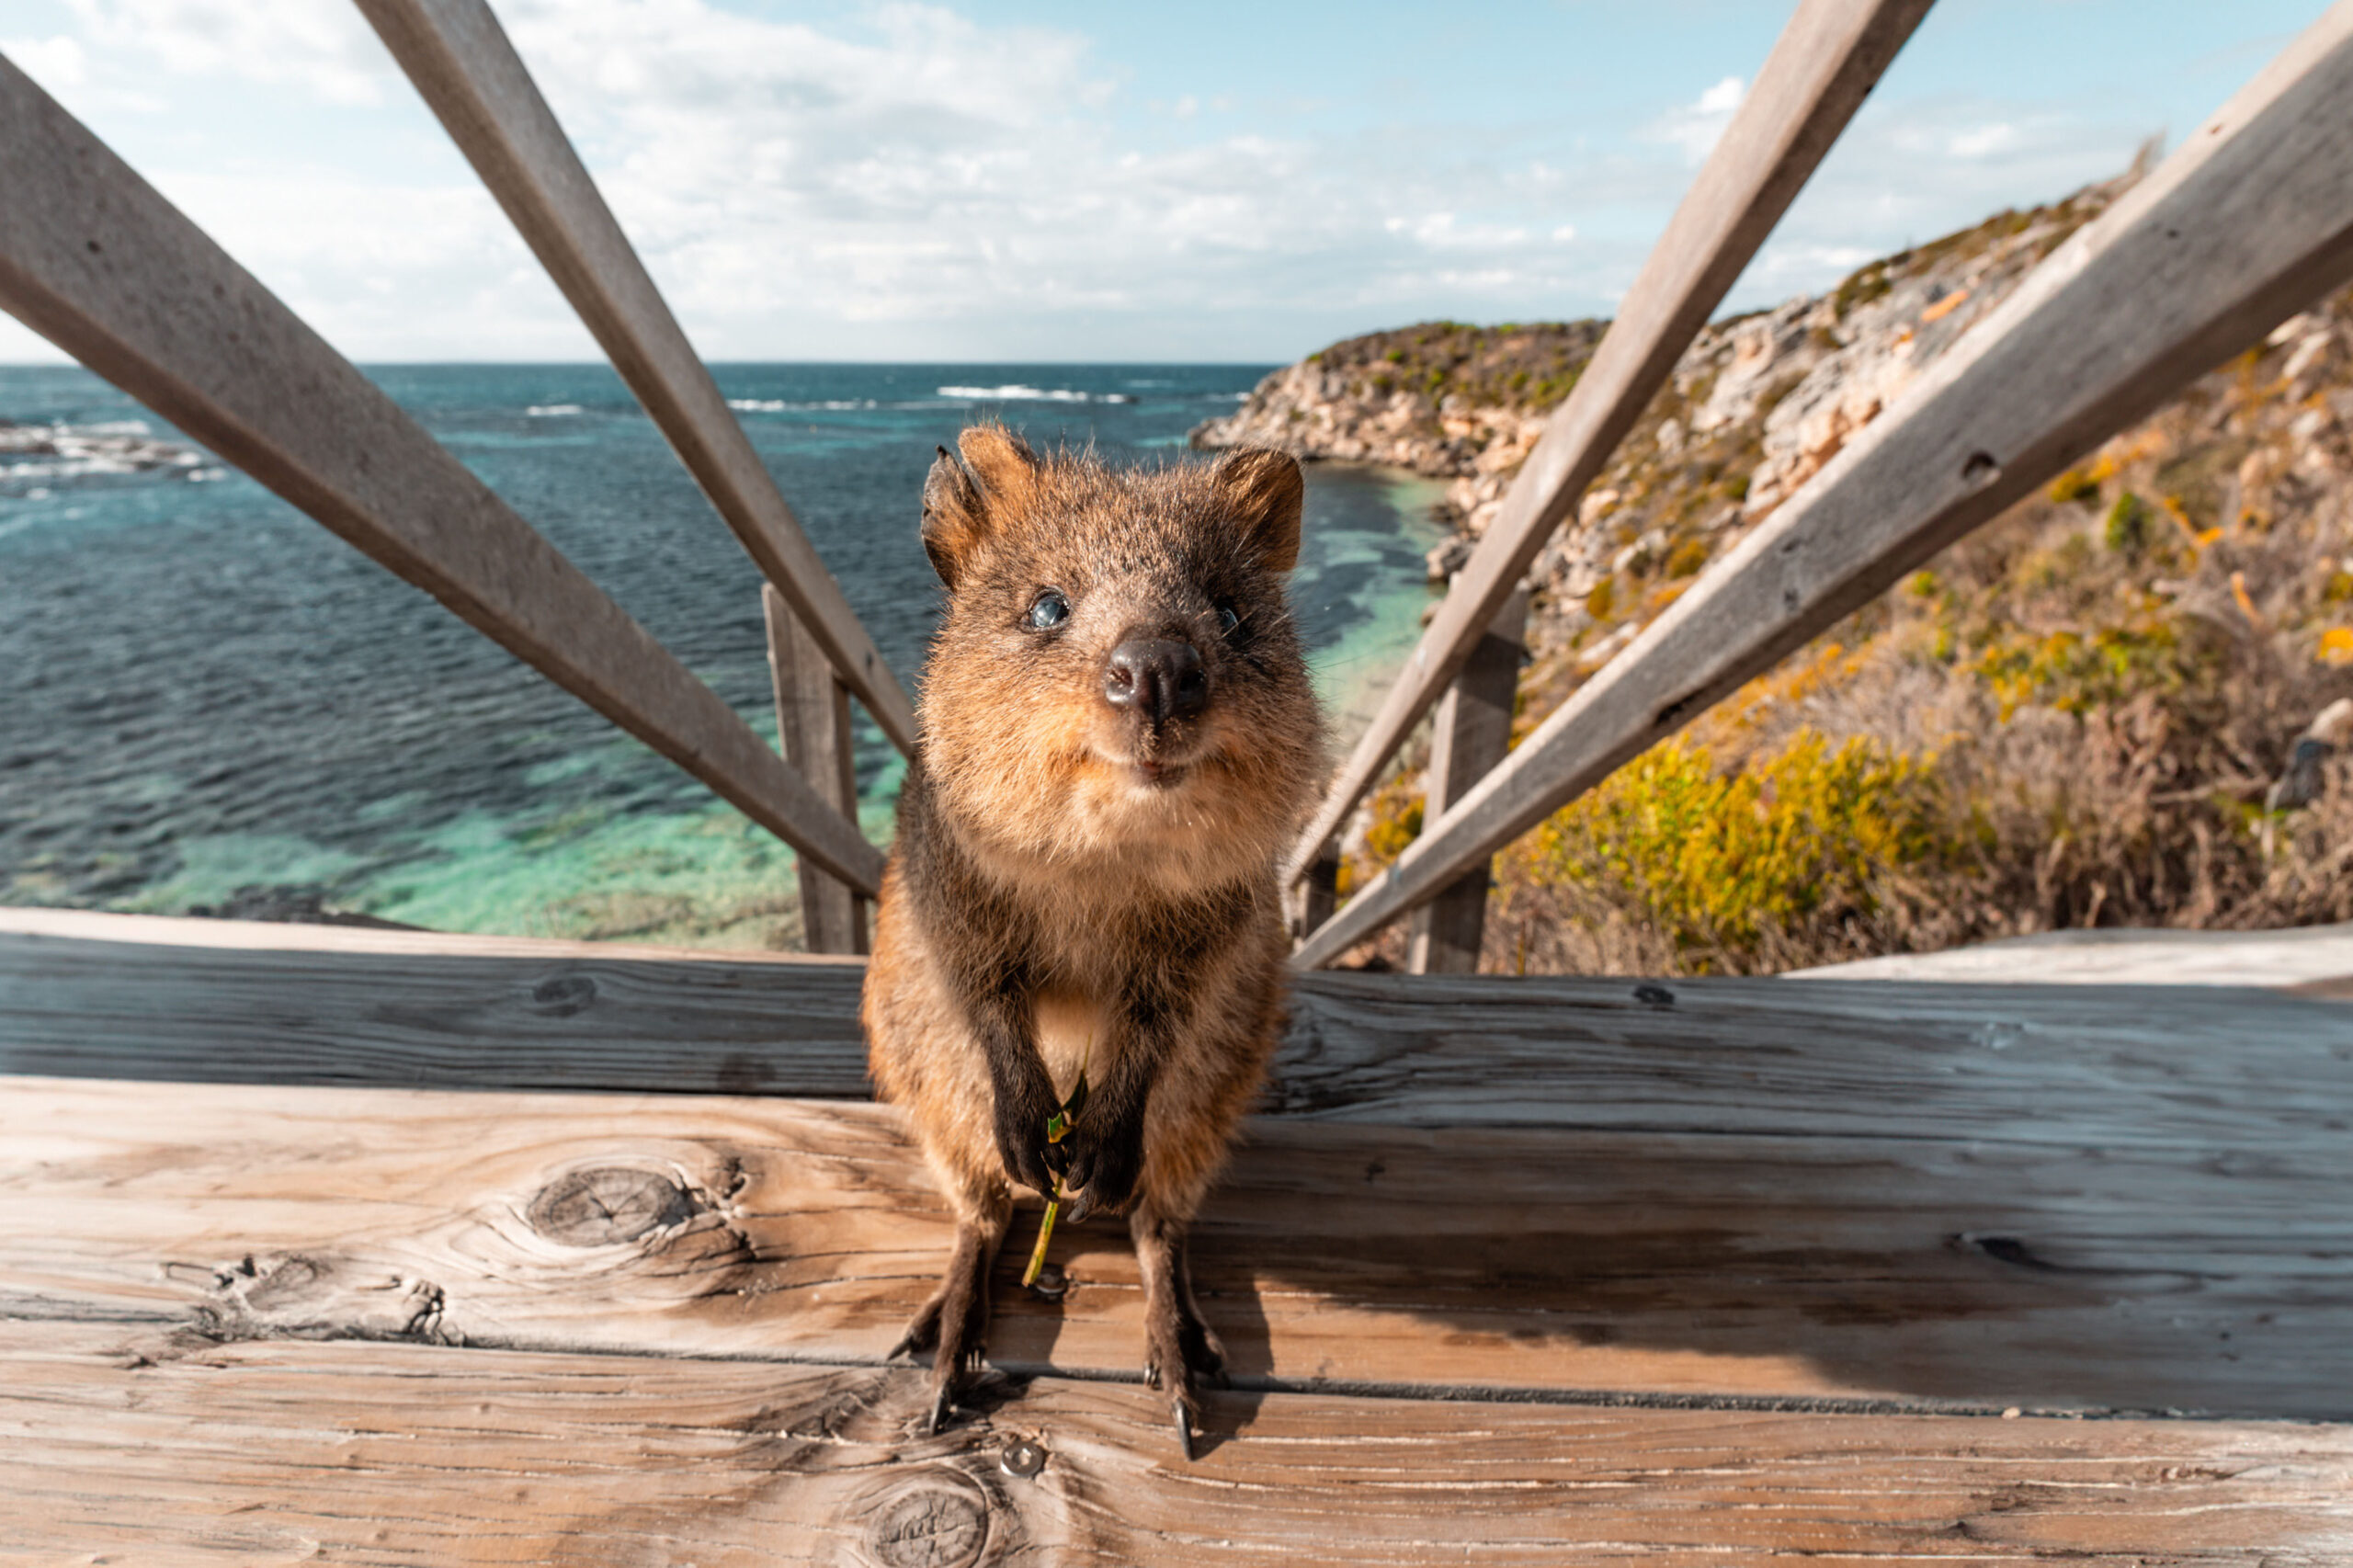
1103,1168
1021,1135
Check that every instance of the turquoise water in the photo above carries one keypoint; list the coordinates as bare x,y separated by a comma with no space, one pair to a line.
213,701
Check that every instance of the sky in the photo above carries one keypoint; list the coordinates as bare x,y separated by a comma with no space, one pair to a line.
1045,180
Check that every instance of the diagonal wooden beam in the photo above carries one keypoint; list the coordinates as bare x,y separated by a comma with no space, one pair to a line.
93,259
2248,222
1825,62
460,59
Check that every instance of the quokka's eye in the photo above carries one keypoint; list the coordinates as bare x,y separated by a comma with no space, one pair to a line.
1227,619
1048,610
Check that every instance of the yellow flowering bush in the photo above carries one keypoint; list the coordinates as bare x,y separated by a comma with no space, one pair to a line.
1714,861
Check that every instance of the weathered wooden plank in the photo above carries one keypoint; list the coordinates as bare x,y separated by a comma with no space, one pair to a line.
2304,957
1470,733
133,996
2250,219
812,724
1906,1273
467,72
92,258
1821,68
250,1453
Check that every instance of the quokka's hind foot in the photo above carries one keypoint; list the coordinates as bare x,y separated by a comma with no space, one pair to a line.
1182,1353
953,1323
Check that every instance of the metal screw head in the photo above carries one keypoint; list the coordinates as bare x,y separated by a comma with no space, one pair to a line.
1022,1457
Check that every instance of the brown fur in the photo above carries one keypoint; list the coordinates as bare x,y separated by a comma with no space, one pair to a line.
1080,883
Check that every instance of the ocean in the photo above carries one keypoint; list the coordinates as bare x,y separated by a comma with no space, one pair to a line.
211,703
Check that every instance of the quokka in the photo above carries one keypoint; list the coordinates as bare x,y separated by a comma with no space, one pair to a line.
1118,740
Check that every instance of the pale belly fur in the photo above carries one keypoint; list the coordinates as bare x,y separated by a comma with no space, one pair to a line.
1071,1027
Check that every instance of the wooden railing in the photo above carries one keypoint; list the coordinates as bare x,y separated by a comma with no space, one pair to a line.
2251,220
96,260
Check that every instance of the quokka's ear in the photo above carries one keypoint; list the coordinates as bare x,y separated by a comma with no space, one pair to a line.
1264,489
964,499
1003,462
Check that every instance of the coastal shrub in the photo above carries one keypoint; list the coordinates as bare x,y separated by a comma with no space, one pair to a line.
1396,819
1602,599
2075,484
1861,289
1717,864
2126,530
2075,673
1687,557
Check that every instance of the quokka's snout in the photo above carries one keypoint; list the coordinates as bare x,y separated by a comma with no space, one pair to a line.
1155,681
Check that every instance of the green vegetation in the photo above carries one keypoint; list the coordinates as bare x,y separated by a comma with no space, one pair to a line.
1715,861
1528,366
2070,718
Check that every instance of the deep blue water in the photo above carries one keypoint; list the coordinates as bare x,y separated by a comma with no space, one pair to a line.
204,692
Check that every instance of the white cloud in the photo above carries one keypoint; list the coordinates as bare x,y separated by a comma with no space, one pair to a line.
321,46
1721,98
1694,128
57,63
1984,141
906,182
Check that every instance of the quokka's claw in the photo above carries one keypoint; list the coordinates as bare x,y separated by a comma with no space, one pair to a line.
1184,1419
943,1405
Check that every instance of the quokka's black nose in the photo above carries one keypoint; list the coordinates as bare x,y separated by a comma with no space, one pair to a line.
1158,678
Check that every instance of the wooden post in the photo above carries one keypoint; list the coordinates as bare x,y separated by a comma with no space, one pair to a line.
1471,734
1319,890
813,725
1824,64
2250,220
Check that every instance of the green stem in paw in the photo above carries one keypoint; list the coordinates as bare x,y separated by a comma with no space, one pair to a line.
1045,1235
1058,1124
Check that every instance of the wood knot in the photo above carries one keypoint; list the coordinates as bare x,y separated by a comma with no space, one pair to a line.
563,995
608,1204
932,1524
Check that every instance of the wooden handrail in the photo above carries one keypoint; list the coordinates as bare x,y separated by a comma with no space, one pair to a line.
94,259
461,62
2249,221
1825,62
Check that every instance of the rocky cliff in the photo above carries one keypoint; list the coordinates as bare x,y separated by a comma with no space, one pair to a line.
2081,715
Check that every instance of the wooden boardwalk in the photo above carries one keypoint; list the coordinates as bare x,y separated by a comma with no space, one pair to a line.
363,1247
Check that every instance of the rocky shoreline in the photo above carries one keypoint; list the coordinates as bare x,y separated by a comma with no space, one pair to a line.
1755,407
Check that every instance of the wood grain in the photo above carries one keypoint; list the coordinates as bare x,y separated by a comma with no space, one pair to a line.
467,73
133,996
2302,958
92,258
2250,219
1903,1273
813,725
1821,68
261,1453
1470,733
